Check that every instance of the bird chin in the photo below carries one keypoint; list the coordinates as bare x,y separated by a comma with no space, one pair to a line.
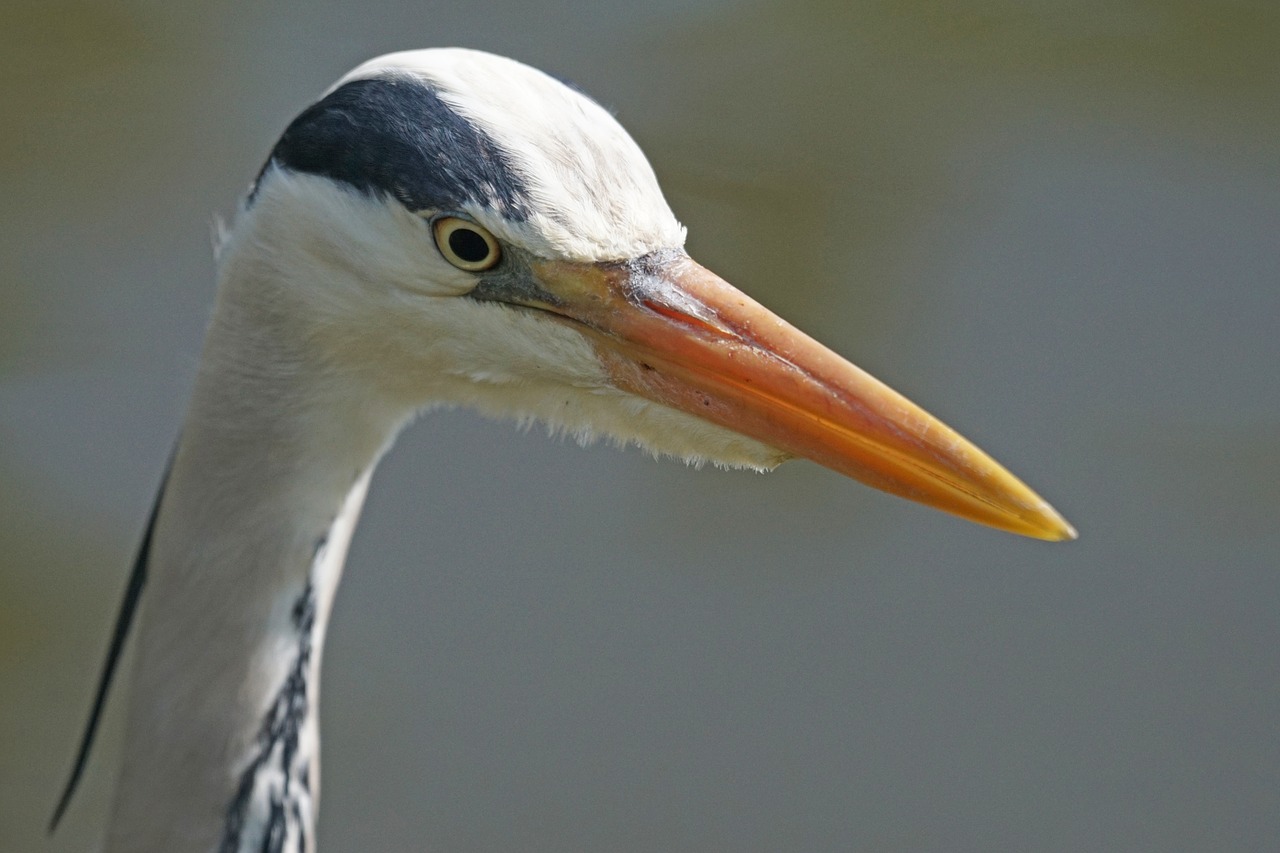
603,413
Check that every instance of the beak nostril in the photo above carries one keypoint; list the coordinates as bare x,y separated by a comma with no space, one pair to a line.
686,319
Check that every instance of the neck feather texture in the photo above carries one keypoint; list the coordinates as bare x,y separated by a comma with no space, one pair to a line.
222,743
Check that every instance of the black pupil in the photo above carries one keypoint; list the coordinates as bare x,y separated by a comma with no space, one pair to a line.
468,245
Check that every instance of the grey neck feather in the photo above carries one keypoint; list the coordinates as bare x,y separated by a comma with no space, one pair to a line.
221,749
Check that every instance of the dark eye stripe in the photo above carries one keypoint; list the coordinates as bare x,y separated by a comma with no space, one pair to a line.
396,136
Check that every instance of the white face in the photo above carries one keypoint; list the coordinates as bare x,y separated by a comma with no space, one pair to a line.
366,283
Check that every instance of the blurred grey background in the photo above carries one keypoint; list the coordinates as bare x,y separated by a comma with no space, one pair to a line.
1055,224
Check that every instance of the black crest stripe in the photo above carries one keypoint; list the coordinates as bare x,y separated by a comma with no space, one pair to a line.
396,136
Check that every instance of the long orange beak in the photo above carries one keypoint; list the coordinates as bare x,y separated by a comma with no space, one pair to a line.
671,331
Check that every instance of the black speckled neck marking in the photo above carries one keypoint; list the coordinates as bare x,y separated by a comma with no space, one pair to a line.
277,782
396,136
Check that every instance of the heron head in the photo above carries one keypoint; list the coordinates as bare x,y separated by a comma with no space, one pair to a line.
458,228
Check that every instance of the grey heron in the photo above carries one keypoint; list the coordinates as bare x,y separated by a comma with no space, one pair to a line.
442,227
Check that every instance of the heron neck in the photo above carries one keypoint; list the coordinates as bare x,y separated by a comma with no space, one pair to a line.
221,749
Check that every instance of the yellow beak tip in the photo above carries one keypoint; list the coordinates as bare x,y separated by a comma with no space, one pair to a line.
1055,528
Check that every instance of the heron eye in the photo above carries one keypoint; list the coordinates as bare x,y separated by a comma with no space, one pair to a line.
465,244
